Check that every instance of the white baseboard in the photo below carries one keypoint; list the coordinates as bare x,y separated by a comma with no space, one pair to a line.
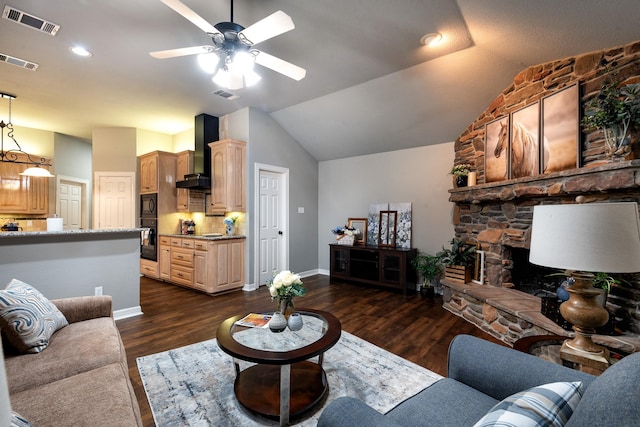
127,312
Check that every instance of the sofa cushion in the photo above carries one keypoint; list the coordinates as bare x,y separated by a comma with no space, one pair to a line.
76,348
101,397
548,405
434,406
612,398
28,318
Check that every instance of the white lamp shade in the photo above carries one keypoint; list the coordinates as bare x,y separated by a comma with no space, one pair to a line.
594,237
37,171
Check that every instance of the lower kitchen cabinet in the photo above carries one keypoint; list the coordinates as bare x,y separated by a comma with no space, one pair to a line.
206,265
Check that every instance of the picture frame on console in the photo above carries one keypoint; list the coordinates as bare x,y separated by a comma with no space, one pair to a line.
560,148
387,228
360,224
524,146
496,158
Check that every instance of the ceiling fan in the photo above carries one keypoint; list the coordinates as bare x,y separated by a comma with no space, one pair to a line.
232,56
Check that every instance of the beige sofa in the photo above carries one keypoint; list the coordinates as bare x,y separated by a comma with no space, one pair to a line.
81,378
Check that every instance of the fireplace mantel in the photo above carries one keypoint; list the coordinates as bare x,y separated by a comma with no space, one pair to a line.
592,182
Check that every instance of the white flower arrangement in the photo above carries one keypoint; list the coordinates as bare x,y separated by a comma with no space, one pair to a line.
346,231
285,286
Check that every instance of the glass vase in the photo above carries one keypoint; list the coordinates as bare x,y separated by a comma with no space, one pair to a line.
285,306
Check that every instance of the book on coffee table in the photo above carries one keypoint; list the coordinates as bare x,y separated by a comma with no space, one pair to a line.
254,320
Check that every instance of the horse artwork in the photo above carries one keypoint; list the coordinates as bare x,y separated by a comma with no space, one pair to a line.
496,140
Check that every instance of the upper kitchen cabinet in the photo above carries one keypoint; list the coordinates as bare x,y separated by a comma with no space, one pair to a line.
188,200
157,171
228,170
22,194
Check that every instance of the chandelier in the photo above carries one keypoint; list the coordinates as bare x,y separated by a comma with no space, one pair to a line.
16,155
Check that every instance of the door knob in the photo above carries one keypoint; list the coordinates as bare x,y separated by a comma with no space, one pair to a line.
280,233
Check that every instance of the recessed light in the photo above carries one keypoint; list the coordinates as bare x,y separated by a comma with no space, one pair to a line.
80,51
431,39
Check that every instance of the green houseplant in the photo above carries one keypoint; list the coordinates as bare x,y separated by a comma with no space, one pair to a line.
458,260
430,268
615,111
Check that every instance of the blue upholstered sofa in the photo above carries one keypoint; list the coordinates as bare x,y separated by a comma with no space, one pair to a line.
481,374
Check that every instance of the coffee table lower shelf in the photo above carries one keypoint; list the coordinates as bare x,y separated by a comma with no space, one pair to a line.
258,388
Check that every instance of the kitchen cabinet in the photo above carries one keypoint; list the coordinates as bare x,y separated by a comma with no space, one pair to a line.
149,268
188,200
206,265
149,173
22,194
228,170
381,266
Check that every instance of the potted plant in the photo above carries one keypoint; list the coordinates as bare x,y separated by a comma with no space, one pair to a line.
458,261
430,268
615,111
604,281
460,174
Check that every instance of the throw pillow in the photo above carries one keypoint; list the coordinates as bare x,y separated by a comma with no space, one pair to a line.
18,420
545,405
28,318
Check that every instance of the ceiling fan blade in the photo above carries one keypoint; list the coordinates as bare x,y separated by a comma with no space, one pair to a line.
190,15
183,51
271,26
283,67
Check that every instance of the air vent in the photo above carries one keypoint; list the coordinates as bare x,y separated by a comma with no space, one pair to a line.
15,15
226,95
18,62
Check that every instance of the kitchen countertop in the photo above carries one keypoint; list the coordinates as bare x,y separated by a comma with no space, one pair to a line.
67,232
201,237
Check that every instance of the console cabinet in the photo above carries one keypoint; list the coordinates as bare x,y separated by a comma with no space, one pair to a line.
388,267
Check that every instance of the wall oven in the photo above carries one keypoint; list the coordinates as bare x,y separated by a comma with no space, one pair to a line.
149,205
149,239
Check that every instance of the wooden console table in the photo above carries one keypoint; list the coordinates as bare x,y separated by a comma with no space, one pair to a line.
382,266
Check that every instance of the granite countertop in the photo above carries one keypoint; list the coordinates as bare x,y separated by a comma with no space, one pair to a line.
68,232
205,236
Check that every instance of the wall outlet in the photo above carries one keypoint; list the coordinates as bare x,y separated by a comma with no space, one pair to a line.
98,291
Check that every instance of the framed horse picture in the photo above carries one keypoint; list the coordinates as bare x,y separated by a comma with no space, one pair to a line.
524,147
561,130
496,146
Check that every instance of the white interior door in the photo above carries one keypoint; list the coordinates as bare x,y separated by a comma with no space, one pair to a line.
115,200
70,205
272,225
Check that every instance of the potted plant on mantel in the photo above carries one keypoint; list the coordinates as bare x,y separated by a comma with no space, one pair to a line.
458,261
430,268
615,111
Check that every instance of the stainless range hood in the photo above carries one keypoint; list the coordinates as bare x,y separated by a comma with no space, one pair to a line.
206,131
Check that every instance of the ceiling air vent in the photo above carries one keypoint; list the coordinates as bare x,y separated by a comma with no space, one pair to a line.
18,62
226,95
15,15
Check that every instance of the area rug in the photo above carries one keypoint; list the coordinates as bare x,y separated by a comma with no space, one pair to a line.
193,385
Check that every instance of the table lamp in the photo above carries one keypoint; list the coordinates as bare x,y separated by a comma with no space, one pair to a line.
586,238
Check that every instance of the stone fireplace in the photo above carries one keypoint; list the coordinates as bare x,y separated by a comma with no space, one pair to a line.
498,215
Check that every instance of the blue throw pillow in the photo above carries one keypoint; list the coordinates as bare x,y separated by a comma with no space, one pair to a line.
545,405
28,318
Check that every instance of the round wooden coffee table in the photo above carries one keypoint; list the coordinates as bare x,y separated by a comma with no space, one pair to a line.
284,383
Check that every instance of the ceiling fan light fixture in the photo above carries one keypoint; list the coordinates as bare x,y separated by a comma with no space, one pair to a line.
36,171
228,79
431,39
251,78
208,62
243,62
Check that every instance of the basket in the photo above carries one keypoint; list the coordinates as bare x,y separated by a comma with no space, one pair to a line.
345,240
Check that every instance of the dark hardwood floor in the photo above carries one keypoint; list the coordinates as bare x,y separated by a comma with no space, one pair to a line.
415,328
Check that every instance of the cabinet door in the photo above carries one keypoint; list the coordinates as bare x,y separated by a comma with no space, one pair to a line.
228,259
236,177
149,174
165,262
14,188
393,268
218,199
200,271
184,166
339,262
228,172
38,195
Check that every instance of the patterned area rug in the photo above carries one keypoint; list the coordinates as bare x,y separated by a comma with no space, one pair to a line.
193,385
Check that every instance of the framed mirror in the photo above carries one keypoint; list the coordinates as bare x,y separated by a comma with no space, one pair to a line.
360,224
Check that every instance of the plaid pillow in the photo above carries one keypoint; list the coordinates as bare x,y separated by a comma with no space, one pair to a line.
545,405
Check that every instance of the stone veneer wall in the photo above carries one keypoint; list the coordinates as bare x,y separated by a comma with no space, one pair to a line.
498,215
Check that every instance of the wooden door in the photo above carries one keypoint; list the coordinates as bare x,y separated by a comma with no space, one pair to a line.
271,223
114,200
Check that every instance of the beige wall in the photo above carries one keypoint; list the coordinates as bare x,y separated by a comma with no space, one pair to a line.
114,149
419,175
148,141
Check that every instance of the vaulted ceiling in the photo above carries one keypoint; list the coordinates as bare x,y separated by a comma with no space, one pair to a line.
370,85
